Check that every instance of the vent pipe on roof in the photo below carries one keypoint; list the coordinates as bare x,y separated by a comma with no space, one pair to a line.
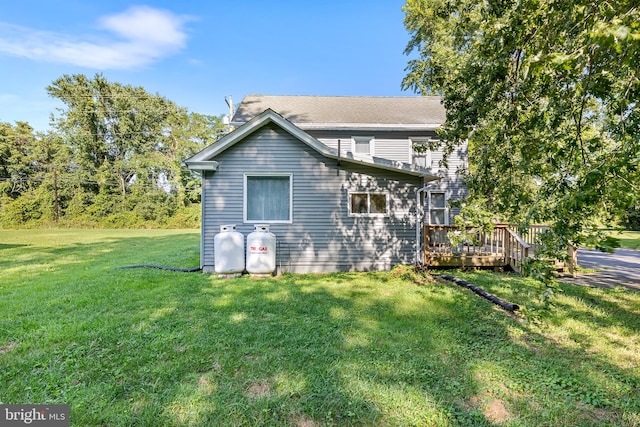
230,105
229,102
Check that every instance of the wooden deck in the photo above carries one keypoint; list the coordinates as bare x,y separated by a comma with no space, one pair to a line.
501,248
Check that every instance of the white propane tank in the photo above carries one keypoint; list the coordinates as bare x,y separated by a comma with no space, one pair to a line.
228,246
261,251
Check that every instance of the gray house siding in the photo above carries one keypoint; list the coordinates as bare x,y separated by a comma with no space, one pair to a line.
396,145
393,149
322,237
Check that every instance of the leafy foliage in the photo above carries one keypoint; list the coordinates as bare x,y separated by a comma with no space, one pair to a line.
113,158
472,218
631,218
546,94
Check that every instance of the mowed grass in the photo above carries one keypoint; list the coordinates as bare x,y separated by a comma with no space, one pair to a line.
628,239
159,348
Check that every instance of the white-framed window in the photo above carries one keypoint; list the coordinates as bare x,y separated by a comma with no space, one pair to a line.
363,146
268,198
437,203
421,158
368,204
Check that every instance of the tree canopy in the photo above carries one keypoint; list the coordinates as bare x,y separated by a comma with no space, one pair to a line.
113,157
546,94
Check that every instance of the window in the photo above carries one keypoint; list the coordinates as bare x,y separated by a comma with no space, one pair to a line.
421,158
368,204
363,145
267,198
437,208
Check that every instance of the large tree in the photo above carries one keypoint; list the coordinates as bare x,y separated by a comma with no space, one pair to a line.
113,158
127,146
546,94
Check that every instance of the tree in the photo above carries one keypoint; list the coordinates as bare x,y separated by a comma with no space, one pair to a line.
127,146
113,129
15,171
546,94
185,135
33,175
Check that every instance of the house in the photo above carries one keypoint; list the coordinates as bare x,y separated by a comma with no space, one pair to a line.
337,179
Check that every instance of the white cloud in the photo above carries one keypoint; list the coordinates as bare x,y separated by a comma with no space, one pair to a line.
136,37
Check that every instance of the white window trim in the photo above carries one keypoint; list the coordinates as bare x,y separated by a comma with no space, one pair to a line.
427,154
445,209
369,214
372,145
262,221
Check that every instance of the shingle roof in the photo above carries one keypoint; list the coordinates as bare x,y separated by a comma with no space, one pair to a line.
347,111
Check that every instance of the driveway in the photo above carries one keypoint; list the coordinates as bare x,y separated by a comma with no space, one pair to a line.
621,268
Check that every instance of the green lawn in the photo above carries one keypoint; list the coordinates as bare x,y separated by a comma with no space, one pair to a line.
628,239
151,347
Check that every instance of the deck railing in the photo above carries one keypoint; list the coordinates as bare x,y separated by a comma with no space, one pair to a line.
500,248
531,234
517,251
437,240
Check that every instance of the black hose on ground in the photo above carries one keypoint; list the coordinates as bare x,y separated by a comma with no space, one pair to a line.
494,299
162,267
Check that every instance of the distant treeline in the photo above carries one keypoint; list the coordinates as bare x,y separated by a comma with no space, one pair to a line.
112,159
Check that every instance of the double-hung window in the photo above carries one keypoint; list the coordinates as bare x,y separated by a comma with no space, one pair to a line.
268,198
437,208
368,204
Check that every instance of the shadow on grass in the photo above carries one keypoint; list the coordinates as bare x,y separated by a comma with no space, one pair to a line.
597,307
153,347
4,246
307,351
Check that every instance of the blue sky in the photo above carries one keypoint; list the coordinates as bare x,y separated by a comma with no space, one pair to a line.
197,52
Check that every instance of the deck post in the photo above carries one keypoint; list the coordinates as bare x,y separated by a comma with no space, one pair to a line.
506,241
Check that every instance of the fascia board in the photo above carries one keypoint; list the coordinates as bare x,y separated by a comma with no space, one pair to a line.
251,126
228,140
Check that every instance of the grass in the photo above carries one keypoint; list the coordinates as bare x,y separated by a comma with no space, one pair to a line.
628,239
152,347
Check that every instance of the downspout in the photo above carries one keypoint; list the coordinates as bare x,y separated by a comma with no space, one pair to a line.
202,217
419,215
